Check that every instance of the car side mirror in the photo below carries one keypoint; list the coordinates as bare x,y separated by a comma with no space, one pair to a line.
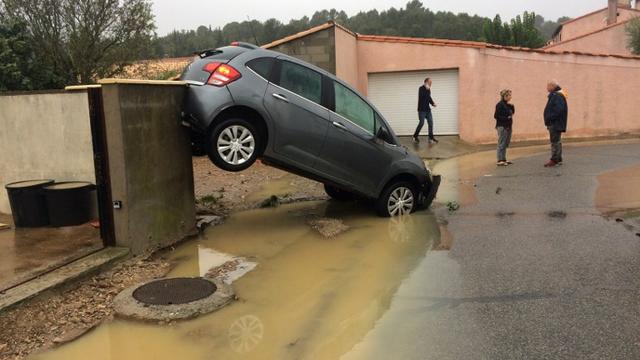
384,135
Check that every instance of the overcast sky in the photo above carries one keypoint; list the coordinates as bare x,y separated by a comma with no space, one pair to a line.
188,14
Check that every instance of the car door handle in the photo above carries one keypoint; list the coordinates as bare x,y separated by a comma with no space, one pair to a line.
339,125
281,97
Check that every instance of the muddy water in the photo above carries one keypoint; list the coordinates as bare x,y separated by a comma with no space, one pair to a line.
618,192
308,296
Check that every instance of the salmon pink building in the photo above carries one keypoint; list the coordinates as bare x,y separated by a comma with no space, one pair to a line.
603,81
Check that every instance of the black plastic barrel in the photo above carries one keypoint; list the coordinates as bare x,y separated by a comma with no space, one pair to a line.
28,204
69,203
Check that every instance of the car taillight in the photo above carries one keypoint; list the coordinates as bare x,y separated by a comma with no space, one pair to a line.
221,74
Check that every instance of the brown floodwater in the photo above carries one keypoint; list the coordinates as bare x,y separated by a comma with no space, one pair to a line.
301,296
618,192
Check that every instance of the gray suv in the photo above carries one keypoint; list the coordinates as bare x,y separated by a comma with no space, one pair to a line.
244,103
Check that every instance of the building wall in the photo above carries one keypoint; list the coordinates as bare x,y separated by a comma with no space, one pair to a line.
613,40
346,56
593,22
318,49
601,89
150,164
44,135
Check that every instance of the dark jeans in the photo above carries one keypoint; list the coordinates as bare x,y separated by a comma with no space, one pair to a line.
556,145
421,116
504,139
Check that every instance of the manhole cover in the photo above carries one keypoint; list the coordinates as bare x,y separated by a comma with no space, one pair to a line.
174,291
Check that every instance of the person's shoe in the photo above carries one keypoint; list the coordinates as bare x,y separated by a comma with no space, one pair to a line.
551,163
502,163
509,162
559,163
434,140
416,140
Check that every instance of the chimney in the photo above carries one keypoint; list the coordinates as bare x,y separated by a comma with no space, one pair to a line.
624,4
612,17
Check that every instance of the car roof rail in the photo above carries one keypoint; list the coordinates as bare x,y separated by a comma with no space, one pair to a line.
245,45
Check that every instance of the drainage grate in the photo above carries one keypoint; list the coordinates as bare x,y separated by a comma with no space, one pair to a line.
174,291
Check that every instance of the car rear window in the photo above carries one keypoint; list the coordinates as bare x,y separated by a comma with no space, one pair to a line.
262,66
194,71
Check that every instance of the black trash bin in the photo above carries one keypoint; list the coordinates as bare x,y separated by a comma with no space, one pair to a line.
70,203
27,201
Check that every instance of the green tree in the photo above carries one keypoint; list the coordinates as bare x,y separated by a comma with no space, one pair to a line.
85,39
633,35
20,65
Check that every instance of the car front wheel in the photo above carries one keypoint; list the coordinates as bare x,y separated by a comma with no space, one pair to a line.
399,198
233,145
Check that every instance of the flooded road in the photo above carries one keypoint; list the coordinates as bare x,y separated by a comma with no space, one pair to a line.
308,296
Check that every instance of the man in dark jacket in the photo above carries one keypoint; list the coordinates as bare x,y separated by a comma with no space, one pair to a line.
424,110
555,119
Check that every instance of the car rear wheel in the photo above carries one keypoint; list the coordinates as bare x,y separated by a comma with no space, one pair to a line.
397,199
234,144
338,194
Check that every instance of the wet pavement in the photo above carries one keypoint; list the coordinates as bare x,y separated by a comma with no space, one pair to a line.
532,265
28,252
534,271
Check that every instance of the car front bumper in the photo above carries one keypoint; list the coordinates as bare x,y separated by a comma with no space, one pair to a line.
431,191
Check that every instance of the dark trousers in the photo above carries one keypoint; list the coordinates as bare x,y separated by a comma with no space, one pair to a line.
555,137
421,116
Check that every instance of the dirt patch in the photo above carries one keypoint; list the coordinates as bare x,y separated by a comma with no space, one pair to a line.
328,227
220,192
66,314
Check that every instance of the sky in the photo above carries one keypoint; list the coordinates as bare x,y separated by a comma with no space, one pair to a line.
189,14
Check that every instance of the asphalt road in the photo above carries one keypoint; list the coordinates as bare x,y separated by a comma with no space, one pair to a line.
535,272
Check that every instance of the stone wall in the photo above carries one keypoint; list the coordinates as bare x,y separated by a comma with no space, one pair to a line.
318,49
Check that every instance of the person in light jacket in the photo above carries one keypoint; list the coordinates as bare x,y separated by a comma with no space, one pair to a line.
504,125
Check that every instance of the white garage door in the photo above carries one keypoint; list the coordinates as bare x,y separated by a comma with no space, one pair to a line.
396,96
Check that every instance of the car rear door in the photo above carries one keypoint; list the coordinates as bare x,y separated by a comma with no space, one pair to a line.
293,100
351,153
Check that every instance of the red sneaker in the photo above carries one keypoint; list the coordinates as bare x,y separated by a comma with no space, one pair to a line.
551,163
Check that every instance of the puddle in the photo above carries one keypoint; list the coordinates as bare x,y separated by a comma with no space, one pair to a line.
618,192
308,296
460,174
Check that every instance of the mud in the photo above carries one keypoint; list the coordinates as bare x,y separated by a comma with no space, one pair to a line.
306,298
618,193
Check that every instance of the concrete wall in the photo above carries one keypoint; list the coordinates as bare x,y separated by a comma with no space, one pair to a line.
44,136
318,48
149,162
593,22
346,56
611,40
601,90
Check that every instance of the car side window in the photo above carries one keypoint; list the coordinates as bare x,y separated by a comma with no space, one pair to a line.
352,107
301,80
262,66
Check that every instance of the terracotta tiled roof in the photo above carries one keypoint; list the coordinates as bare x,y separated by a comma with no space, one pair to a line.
437,42
588,34
313,30
480,45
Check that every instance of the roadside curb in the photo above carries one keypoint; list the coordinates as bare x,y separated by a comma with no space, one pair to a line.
64,275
